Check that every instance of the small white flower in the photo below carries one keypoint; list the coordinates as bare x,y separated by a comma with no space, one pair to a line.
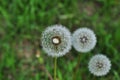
99,65
56,40
84,40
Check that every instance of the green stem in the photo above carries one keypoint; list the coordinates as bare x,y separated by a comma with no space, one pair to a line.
55,67
76,68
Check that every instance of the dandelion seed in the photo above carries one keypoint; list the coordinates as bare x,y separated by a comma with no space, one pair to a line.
56,40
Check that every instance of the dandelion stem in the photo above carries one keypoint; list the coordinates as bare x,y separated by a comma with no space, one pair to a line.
55,67
76,68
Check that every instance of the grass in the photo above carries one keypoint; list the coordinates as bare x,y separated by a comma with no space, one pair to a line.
21,24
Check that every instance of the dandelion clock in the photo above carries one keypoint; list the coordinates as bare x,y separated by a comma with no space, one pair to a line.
84,40
56,40
99,65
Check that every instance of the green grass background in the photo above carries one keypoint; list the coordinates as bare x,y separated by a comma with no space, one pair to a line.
21,24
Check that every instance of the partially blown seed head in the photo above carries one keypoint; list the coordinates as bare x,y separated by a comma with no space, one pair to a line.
84,40
99,65
56,40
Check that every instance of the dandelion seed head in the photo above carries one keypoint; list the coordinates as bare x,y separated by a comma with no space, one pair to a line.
99,65
84,40
56,40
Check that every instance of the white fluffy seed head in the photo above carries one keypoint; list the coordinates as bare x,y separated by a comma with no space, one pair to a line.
56,40
84,40
99,65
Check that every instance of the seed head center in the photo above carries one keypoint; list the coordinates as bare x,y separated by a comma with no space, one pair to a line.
56,40
99,65
83,39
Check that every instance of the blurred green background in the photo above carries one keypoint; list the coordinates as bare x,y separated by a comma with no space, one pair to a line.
21,24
